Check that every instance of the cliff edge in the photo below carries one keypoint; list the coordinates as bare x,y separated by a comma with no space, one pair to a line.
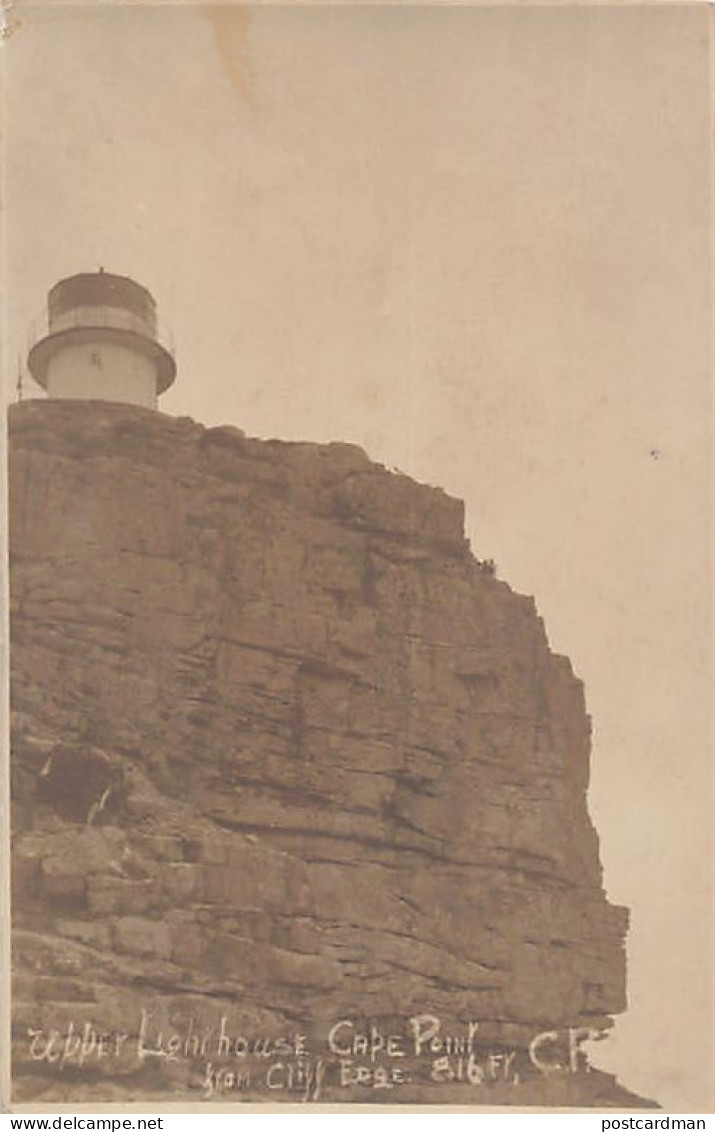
289,765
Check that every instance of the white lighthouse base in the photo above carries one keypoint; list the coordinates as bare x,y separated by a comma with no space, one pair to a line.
104,371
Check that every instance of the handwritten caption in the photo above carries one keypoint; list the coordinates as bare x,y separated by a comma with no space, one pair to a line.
350,1056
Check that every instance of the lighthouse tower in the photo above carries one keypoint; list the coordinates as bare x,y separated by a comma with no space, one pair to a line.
102,342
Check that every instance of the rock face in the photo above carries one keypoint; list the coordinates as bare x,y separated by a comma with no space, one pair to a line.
284,754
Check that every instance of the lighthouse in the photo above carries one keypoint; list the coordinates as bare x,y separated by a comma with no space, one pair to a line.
102,342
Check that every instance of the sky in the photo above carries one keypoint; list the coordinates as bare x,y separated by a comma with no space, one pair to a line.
474,241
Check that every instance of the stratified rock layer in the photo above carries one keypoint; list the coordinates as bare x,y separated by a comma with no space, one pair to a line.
283,751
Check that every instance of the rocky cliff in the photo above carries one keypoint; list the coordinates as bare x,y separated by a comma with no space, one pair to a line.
289,767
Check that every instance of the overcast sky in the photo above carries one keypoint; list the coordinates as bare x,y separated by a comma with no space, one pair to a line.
475,242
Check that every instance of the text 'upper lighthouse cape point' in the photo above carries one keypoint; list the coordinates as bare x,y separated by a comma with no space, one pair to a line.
102,342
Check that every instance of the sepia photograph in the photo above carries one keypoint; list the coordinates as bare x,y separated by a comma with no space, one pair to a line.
357,564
